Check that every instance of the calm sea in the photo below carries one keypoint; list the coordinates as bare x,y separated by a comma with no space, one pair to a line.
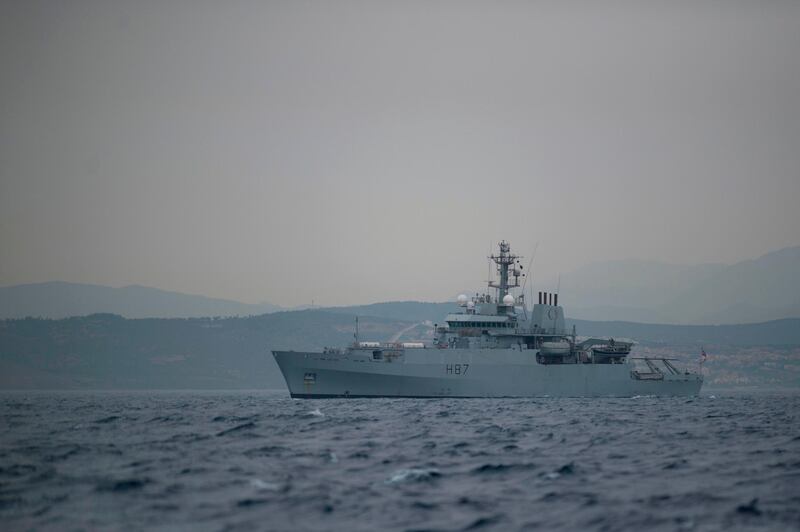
259,460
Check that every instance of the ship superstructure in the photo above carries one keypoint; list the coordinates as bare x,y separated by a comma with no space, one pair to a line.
494,346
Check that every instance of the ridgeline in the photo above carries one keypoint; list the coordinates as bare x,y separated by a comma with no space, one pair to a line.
106,351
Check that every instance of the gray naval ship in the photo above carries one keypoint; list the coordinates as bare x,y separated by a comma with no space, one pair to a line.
493,347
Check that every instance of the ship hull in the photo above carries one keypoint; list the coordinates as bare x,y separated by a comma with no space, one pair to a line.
465,373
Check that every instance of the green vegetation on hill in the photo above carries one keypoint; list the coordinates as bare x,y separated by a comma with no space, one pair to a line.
108,351
415,311
777,332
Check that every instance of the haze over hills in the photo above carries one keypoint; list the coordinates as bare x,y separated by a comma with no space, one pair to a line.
61,300
750,291
763,289
416,311
108,351
178,346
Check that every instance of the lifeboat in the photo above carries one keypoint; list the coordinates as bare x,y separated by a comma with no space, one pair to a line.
554,348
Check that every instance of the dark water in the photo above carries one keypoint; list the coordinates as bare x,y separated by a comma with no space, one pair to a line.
235,460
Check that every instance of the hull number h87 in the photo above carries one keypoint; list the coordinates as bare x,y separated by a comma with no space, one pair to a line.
456,369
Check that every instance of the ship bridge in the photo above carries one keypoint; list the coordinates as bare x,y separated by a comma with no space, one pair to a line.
479,321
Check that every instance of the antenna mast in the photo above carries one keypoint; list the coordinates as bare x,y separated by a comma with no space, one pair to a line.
528,276
506,265
489,264
530,272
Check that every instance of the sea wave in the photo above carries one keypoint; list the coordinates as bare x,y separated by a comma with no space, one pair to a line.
259,460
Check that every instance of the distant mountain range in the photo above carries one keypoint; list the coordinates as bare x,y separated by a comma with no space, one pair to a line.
61,300
766,288
763,289
180,343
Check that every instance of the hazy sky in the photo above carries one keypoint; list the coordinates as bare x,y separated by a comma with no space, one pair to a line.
364,151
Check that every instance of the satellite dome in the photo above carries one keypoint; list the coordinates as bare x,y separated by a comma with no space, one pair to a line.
462,299
508,300
471,304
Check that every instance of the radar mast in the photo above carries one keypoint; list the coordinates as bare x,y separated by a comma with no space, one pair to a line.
507,265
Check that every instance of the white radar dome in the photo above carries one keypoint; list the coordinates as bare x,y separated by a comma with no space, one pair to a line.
471,305
462,299
508,300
